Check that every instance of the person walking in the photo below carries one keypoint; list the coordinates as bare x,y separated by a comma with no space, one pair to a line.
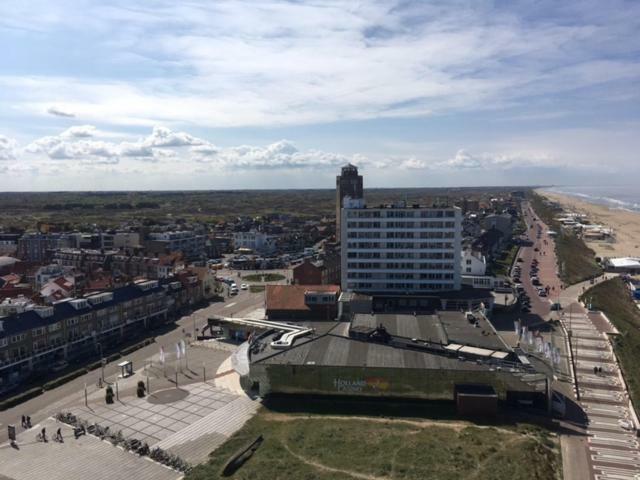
28,421
59,435
24,421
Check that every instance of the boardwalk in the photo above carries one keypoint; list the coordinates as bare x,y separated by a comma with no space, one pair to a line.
613,448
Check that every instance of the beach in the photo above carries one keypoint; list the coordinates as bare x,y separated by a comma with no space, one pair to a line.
625,224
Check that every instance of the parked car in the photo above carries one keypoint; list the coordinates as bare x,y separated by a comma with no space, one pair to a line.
244,286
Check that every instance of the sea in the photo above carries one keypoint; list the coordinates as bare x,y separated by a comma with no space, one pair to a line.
625,197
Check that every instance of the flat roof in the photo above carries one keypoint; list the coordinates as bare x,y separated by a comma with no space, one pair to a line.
334,350
422,327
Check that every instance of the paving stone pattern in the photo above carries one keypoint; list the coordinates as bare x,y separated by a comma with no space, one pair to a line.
84,458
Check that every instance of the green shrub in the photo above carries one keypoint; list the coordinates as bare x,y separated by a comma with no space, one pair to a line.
64,379
20,398
113,357
94,365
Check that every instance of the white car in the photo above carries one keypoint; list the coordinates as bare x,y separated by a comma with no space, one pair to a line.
244,286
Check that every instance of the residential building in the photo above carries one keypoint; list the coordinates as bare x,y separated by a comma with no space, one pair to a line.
473,263
319,272
348,184
192,245
9,243
502,222
119,240
35,339
85,260
48,272
302,302
399,248
255,241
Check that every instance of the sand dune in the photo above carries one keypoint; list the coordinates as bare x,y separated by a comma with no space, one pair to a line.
625,224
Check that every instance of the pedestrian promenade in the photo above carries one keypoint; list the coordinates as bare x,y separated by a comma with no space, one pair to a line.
85,458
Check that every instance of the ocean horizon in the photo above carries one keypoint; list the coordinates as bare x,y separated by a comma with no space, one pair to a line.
626,197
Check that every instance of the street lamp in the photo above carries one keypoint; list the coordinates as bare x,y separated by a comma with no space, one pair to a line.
102,362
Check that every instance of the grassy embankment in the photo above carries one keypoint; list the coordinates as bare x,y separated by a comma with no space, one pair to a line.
577,260
613,298
333,447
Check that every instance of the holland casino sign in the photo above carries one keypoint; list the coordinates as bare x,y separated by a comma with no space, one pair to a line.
359,385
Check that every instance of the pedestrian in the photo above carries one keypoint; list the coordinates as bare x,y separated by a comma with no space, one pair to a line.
24,421
28,421
59,435
595,370
43,434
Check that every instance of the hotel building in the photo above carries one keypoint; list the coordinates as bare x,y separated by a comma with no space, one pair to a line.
399,248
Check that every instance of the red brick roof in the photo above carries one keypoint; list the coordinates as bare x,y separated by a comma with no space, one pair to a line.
291,297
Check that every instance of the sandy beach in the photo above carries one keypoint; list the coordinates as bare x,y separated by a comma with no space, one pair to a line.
625,224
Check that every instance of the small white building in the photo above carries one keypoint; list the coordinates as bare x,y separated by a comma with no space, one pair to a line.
473,263
257,241
623,264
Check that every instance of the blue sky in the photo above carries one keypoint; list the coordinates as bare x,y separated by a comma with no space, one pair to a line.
273,94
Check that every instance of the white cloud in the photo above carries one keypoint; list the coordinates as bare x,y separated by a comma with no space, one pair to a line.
7,148
163,137
464,160
79,131
273,63
60,112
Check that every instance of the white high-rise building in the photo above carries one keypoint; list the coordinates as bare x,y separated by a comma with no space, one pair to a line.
403,249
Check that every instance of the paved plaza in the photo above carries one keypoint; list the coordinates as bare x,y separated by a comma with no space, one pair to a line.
88,457
169,418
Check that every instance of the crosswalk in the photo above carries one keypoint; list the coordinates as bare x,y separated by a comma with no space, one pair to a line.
614,450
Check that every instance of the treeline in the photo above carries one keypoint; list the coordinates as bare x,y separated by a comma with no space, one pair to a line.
106,206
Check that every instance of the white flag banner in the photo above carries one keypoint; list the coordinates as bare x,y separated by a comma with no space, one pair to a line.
161,354
516,326
178,351
530,337
183,348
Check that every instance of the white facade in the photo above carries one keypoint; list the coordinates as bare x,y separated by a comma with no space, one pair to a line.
473,263
119,240
186,241
400,249
256,241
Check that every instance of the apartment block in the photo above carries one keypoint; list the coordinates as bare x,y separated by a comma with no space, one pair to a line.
37,338
400,248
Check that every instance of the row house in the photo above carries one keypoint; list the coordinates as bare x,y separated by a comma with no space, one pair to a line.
34,340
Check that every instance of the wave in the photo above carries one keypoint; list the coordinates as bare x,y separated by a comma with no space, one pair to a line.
599,199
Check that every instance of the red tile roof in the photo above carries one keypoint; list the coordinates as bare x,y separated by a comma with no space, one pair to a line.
291,297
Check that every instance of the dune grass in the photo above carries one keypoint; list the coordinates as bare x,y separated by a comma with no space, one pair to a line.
333,447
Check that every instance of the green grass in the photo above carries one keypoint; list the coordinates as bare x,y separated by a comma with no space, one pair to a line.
502,265
321,447
576,259
267,277
256,288
614,299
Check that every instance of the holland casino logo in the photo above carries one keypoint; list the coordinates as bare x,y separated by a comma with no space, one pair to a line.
358,385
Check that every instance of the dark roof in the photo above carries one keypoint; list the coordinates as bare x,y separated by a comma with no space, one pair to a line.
63,310
332,350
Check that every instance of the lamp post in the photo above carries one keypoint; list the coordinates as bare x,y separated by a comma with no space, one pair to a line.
102,362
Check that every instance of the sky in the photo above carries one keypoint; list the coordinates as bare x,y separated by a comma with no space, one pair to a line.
165,95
